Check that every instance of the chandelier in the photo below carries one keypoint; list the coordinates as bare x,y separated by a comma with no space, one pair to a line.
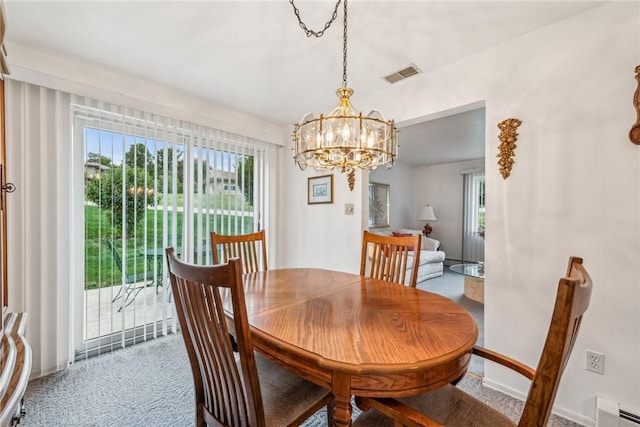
344,139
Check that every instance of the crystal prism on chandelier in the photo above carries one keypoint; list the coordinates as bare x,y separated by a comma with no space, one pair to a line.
344,139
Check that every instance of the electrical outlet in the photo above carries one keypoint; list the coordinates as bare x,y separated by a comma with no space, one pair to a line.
595,362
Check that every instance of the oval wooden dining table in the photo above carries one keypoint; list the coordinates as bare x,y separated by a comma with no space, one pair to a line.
358,336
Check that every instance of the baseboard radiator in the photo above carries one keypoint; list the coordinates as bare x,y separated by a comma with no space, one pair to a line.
609,414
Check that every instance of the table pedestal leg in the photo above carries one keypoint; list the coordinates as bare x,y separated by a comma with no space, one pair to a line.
474,288
341,388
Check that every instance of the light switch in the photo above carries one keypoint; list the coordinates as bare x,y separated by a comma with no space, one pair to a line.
348,209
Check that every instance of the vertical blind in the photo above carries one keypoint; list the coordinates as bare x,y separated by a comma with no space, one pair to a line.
39,219
152,182
473,217
181,181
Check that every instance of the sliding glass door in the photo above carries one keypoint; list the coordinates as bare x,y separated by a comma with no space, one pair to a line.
151,182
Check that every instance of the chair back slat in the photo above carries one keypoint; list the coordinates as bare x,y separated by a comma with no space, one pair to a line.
572,300
386,257
227,392
250,248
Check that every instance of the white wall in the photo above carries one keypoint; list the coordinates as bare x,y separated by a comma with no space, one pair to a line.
441,187
319,235
574,190
41,68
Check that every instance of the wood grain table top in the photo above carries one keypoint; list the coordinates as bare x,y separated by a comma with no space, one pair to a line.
358,336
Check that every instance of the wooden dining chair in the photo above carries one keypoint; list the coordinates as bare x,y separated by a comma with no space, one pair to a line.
247,390
250,248
453,407
389,257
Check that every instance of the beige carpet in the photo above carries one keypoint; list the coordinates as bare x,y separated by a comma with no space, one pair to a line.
151,385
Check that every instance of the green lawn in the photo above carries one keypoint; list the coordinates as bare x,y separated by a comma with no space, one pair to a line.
100,268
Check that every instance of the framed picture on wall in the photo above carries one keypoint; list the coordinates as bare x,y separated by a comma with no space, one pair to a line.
320,190
378,205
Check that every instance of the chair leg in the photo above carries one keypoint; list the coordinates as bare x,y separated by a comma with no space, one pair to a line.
118,294
330,408
127,299
124,296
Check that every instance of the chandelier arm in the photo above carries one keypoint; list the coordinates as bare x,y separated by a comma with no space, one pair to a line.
320,33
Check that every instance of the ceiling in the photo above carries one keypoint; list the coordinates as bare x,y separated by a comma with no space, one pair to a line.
252,56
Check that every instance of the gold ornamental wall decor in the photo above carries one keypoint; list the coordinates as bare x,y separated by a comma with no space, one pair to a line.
634,133
508,137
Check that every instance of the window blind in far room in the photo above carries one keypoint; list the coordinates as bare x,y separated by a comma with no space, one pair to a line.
473,217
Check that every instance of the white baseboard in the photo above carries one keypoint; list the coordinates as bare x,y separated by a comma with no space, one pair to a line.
561,412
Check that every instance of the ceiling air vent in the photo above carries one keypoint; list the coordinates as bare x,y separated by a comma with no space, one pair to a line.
409,71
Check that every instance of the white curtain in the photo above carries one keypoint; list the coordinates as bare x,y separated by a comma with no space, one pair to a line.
46,159
40,219
472,234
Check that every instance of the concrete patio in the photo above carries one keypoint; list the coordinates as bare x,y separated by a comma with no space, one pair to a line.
102,315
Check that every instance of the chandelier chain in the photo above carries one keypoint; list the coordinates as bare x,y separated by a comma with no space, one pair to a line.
344,48
309,32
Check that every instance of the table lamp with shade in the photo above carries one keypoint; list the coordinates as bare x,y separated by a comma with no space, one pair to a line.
427,214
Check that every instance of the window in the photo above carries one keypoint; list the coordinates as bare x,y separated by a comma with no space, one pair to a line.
473,217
